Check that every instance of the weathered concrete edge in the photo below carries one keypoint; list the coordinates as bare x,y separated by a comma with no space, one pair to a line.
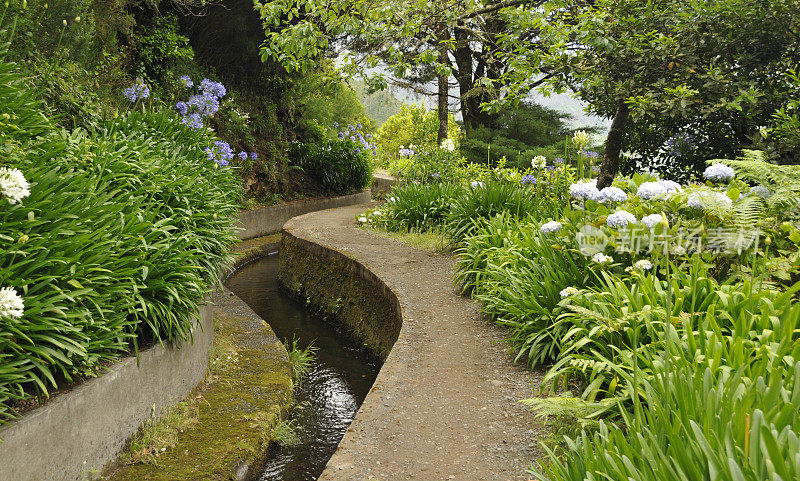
78,433
269,220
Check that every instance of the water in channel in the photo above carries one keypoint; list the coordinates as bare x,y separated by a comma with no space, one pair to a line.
332,392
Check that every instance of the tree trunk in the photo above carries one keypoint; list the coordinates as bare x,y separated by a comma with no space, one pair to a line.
444,89
610,165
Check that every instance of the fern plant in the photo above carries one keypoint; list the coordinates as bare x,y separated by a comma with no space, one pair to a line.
782,181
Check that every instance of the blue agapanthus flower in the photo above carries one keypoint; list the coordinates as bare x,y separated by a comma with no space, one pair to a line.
211,88
182,108
528,180
138,91
193,120
186,81
243,155
253,156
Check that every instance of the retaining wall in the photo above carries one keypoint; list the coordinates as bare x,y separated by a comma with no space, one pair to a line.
269,220
77,433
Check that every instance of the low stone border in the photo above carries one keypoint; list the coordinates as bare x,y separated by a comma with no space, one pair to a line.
77,433
269,220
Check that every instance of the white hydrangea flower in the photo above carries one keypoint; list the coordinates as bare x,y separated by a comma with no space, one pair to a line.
644,265
539,162
651,190
13,185
448,145
586,189
652,220
11,304
568,292
719,173
601,258
760,191
678,250
476,184
362,219
614,194
551,227
706,199
620,218
671,186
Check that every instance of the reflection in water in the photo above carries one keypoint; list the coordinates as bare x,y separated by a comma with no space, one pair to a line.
331,394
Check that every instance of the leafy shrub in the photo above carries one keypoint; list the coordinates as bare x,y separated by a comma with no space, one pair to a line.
337,165
413,125
420,207
121,237
484,201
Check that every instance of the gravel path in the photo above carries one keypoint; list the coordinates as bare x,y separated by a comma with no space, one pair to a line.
445,404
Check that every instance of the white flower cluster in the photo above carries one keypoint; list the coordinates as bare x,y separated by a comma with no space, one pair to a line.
448,145
652,220
539,162
601,258
551,227
620,218
581,139
568,292
707,199
719,173
13,185
363,219
652,190
586,189
760,191
644,265
476,184
613,194
11,304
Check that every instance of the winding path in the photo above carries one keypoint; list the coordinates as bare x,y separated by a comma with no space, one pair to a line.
444,405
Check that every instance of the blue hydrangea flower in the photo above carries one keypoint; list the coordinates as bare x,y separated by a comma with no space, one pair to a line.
586,189
528,179
706,199
719,173
760,191
620,218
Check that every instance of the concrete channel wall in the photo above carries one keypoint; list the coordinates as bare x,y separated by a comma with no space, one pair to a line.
75,434
269,220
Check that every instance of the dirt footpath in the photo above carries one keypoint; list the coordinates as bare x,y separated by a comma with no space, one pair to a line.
445,404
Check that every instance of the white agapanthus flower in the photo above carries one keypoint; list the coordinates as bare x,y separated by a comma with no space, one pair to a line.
539,162
601,258
719,173
448,145
651,190
11,304
586,189
644,265
613,194
620,218
568,292
652,220
362,219
706,199
580,138
391,199
476,184
13,185
377,213
551,227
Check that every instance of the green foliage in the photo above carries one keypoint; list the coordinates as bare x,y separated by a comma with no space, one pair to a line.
413,126
162,50
782,181
339,166
301,360
326,101
484,201
420,207
98,275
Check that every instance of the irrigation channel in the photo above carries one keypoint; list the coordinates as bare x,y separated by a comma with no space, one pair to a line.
330,396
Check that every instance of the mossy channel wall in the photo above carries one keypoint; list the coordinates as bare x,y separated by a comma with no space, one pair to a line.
342,290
